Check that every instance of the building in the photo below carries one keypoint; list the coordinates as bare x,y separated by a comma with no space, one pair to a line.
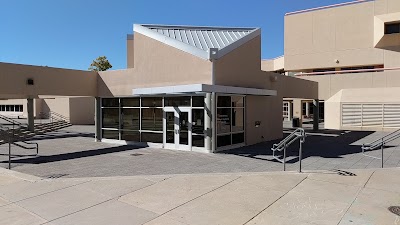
187,88
352,51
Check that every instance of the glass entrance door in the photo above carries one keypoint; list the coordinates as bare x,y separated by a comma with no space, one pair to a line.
177,128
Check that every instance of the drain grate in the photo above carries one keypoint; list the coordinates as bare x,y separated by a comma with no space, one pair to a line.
55,176
136,154
345,173
395,210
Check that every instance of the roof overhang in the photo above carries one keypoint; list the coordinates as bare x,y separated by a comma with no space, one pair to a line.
202,88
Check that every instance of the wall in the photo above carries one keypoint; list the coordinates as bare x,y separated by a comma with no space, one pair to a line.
318,38
81,110
156,64
58,105
47,81
328,85
273,64
258,108
130,51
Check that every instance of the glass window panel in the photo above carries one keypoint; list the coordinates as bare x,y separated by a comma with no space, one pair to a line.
237,119
184,128
177,101
151,102
198,140
12,108
198,101
198,121
224,101
237,101
21,107
7,108
392,28
110,102
110,118
152,119
223,140
237,138
129,135
130,102
223,120
111,134
130,119
152,137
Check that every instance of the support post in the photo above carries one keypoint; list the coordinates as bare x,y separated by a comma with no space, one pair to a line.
316,114
382,147
290,111
300,154
284,157
97,119
31,116
208,122
307,109
213,122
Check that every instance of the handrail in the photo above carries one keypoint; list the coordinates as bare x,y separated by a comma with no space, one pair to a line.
10,120
10,135
346,71
380,143
300,134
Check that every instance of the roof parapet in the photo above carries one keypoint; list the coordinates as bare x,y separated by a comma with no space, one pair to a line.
327,7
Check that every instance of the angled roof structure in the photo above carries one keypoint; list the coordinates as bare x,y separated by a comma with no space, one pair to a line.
204,42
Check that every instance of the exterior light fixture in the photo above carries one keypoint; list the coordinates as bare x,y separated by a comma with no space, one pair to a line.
29,81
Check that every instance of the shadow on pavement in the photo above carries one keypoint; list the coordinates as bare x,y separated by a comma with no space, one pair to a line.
334,145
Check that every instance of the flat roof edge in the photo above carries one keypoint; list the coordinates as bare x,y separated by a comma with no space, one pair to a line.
328,7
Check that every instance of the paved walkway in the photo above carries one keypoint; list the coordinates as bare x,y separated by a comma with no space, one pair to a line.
72,152
356,197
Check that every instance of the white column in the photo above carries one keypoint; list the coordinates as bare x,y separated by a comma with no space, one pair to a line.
207,121
307,109
316,114
213,122
290,111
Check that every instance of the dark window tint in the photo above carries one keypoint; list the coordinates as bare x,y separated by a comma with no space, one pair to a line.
237,119
198,140
111,134
177,101
152,137
237,138
223,120
110,102
152,119
223,140
224,101
198,101
130,119
110,118
198,121
151,102
130,102
392,28
130,135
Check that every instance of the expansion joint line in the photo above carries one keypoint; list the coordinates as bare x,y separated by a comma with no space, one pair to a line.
355,198
276,200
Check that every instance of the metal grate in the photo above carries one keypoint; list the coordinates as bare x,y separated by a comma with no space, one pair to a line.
394,210
136,154
55,176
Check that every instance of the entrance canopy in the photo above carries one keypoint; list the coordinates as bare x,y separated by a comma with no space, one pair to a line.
203,88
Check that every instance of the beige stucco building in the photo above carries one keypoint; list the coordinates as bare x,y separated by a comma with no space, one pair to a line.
188,88
352,51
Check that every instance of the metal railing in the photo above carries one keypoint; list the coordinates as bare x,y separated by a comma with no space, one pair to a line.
380,143
298,134
8,137
54,116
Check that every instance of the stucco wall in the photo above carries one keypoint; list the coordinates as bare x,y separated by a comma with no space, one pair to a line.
331,84
318,38
259,108
81,110
47,81
156,64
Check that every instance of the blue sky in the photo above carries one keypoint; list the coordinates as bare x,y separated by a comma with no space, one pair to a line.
71,33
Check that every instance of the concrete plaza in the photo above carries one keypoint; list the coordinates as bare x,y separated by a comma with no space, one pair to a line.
72,152
278,198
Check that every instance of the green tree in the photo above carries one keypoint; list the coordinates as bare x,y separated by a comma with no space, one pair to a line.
100,64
